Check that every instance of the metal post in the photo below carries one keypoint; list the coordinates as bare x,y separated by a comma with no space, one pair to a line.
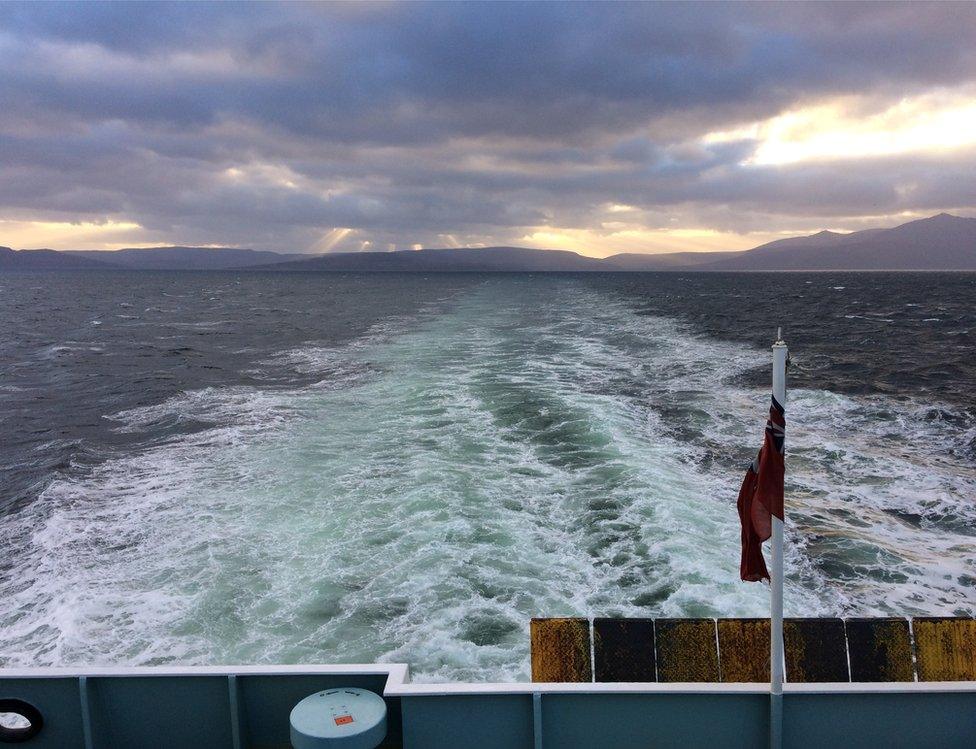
234,698
86,722
776,577
537,720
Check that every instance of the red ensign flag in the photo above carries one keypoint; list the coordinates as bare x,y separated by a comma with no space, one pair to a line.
761,496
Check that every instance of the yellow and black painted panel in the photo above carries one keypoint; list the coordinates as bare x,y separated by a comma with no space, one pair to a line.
743,650
686,650
815,650
945,648
880,649
623,650
560,649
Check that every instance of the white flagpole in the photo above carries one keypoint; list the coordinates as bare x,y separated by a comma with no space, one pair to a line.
776,577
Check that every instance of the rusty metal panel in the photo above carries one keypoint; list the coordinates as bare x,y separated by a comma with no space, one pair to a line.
880,649
686,650
815,650
945,648
623,650
743,649
560,650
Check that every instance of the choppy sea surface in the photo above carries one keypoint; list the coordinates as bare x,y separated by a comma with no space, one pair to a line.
208,468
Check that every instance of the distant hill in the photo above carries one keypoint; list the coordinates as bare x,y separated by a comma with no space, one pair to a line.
642,261
942,242
46,260
186,258
438,260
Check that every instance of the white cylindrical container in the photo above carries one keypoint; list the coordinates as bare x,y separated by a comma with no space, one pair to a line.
341,718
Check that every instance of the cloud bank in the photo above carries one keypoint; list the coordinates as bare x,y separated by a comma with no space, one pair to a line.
598,127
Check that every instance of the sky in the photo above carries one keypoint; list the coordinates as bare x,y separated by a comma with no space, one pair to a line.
600,128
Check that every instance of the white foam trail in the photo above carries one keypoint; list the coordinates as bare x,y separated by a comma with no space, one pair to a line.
538,450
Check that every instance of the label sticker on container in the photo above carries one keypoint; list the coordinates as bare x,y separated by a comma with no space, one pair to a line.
341,720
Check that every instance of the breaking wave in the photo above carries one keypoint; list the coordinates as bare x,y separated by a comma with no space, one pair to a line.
536,450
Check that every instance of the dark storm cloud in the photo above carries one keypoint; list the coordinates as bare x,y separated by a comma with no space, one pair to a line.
408,121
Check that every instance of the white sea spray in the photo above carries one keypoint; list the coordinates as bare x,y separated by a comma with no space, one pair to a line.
521,454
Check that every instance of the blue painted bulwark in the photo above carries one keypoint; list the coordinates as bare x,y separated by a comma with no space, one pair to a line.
153,708
248,706
502,721
891,720
59,701
612,721
219,711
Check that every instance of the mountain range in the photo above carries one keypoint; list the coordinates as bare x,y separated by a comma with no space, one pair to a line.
941,242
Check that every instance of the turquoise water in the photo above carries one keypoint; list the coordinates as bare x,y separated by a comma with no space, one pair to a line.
533,448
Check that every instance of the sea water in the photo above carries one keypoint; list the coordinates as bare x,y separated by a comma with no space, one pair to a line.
223,468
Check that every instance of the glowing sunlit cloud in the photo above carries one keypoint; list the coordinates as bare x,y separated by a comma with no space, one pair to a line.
65,235
931,123
624,238
277,175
